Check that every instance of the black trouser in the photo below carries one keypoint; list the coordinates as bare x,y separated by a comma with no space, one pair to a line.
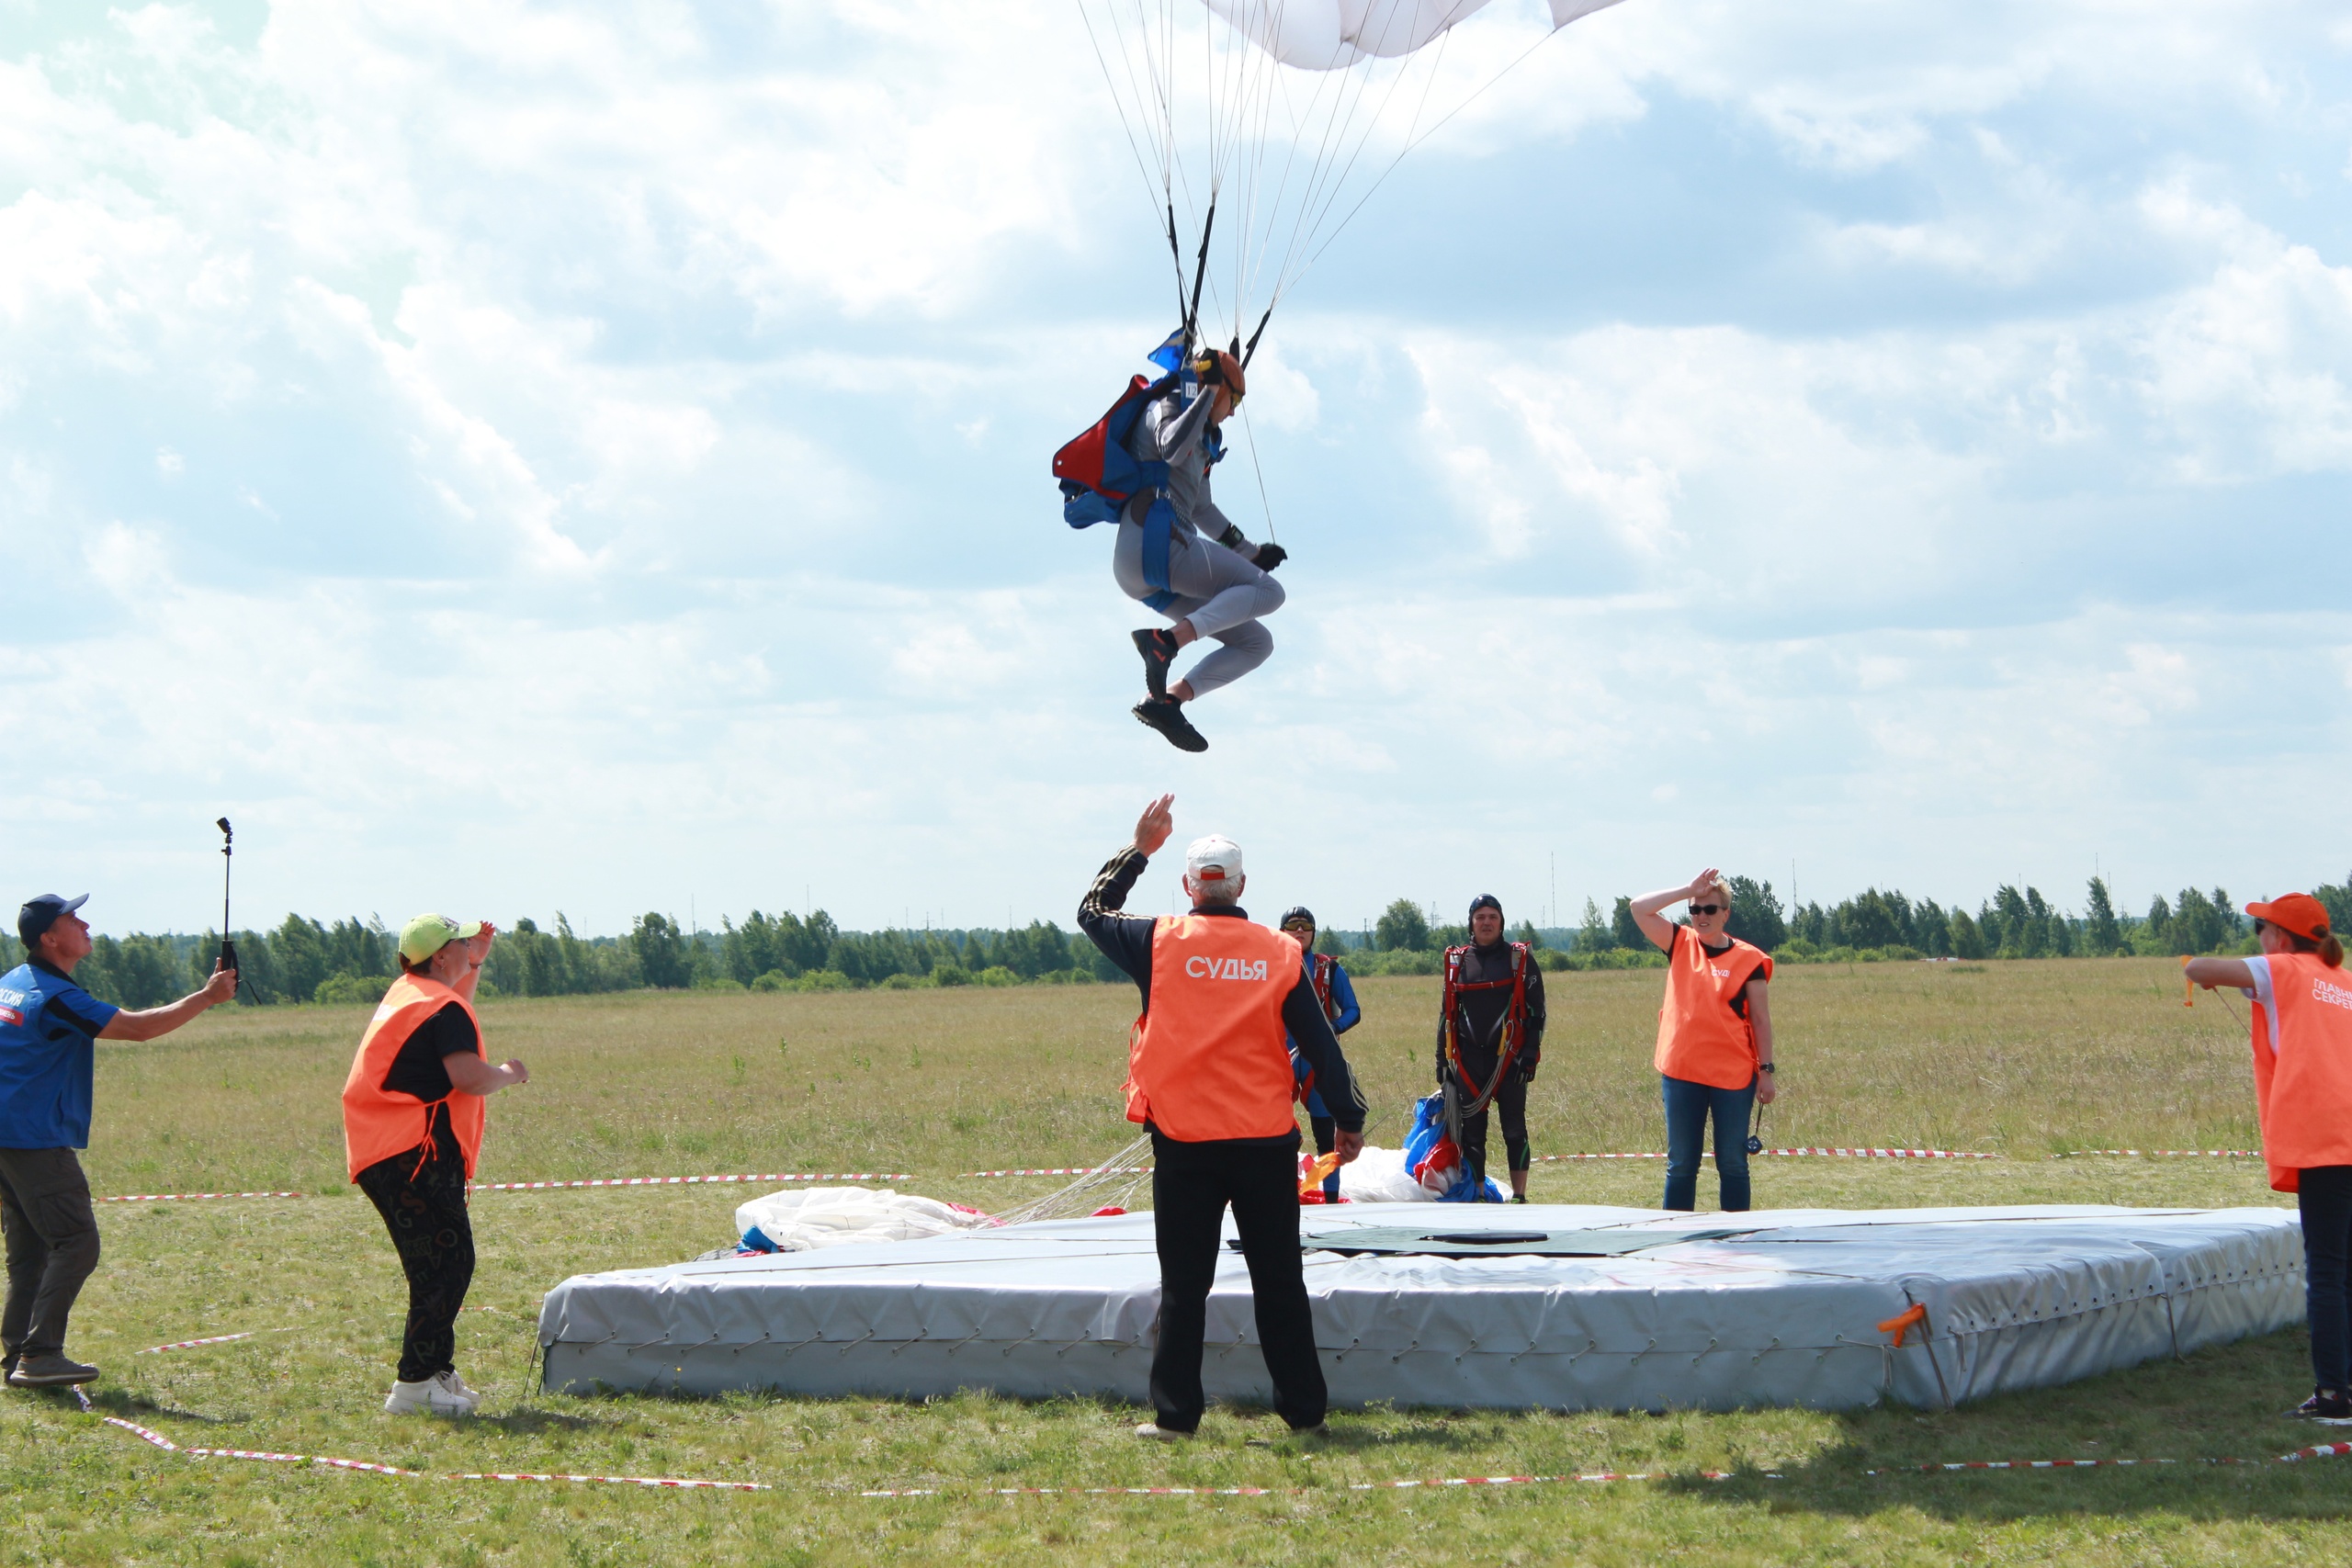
2326,1201
1511,1099
52,1241
1326,1138
424,1208
1191,1185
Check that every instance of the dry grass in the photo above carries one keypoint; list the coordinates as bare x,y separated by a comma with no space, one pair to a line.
2021,1059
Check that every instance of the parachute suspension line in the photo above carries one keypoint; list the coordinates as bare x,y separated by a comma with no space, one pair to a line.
1247,429
1330,175
1415,141
1200,272
1120,105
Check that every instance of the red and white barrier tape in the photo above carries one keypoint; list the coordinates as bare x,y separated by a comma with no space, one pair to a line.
1062,1170
186,1197
686,1181
2166,1153
1825,1154
1265,1491
683,1483
2320,1450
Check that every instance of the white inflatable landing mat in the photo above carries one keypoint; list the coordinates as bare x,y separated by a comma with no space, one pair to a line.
1544,1307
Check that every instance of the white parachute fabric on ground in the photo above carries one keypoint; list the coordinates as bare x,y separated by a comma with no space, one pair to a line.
813,1217
1331,35
1380,1175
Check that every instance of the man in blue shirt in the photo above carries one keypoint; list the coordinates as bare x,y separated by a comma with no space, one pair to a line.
1338,995
48,1025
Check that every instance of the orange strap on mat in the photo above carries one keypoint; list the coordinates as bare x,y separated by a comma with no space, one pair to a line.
1324,1166
1903,1324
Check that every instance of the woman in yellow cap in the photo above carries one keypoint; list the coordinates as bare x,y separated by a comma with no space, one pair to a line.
412,1129
2302,1090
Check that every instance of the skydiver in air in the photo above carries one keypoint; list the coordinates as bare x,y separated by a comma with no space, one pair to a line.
1180,555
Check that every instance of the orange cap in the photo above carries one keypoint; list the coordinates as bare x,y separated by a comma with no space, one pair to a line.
2301,913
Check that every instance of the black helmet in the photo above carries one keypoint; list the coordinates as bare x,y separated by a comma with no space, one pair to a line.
1484,901
1298,913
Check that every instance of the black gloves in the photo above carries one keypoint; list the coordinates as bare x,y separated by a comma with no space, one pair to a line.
1269,556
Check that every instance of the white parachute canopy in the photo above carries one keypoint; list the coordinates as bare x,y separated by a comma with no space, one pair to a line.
1261,126
1329,35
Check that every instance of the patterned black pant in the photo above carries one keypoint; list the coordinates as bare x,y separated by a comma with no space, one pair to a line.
424,1209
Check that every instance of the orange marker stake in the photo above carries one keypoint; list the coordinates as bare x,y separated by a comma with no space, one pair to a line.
2188,991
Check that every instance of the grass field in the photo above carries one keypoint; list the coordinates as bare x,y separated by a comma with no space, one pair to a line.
2024,1060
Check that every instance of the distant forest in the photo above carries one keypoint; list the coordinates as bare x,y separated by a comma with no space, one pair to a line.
352,960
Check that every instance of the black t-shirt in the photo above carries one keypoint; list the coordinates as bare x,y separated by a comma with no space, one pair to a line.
417,1070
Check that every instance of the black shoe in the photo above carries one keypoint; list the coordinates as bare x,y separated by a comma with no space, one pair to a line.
1167,716
50,1371
1519,1197
2329,1408
1158,649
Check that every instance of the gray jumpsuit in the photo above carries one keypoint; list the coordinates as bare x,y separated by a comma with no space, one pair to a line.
1218,589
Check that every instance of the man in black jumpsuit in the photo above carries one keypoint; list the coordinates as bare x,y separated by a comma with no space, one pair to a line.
1479,1019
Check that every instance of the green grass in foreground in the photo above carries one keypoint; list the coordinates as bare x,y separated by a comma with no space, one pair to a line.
2019,1059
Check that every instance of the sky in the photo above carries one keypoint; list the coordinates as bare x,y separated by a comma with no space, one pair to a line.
521,458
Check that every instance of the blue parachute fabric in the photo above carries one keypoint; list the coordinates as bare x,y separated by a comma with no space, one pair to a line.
1170,355
1158,533
1428,1127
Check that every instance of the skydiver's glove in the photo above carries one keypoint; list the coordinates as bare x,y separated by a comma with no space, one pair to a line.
1526,1069
1269,556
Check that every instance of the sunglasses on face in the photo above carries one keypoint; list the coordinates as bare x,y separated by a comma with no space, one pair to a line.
1708,910
1298,926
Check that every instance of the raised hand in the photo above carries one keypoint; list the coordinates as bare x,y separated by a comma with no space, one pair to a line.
1156,823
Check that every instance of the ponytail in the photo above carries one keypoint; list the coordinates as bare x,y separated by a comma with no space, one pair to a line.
2331,952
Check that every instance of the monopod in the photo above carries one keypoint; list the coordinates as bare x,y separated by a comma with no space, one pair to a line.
228,948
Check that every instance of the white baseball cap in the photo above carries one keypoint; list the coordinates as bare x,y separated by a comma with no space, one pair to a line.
1213,859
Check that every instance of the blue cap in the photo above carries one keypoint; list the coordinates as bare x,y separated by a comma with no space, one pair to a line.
39,914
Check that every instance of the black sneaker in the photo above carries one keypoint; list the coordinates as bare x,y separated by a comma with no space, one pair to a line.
50,1371
1519,1197
1167,716
2330,1408
1158,649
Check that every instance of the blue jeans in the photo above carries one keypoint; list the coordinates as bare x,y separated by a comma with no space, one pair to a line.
1688,1105
2327,1204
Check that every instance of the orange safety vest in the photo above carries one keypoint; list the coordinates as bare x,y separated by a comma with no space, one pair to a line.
2304,1090
378,1123
1699,1039
1206,1060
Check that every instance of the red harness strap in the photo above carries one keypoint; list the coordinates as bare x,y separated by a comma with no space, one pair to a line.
1514,1020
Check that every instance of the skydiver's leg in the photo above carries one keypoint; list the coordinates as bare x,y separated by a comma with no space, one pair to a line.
1235,594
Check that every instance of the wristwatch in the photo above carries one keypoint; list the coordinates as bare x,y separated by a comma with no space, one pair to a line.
1765,1068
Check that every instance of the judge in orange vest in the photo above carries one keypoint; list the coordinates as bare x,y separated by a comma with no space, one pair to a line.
411,1131
2302,1088
1209,1073
1715,1037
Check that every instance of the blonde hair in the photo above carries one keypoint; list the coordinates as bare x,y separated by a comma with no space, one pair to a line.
1722,889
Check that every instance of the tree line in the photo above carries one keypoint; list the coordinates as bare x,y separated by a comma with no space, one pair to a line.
352,960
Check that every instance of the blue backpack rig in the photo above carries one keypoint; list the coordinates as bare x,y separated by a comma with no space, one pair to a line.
1099,476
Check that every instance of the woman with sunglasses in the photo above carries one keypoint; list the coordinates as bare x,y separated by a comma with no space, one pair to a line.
2303,1091
1715,1037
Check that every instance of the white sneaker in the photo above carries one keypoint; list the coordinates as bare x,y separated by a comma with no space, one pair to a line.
1162,1434
458,1385
440,1394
